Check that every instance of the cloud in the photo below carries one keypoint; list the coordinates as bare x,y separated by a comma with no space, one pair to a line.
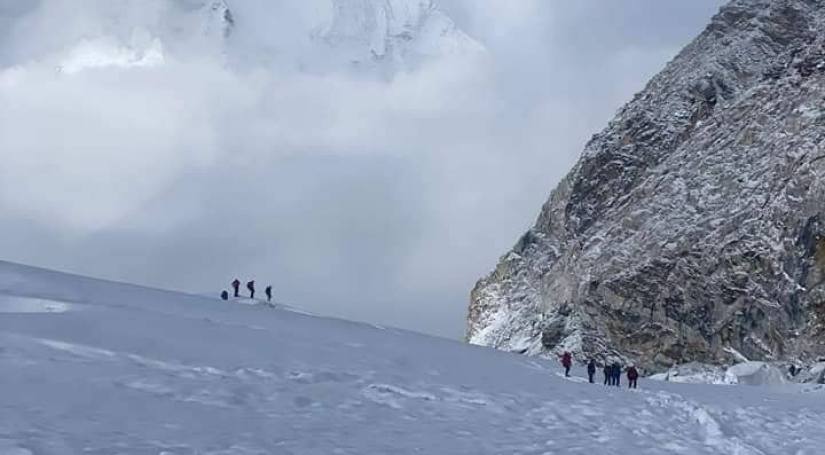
139,146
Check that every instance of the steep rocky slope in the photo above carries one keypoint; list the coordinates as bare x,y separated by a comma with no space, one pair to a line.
692,227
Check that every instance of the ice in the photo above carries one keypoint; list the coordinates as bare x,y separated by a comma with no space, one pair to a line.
131,370
756,373
695,373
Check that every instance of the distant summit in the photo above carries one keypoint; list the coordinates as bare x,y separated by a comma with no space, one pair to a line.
395,33
379,37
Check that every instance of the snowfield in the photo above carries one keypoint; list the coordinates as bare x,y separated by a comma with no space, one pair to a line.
93,367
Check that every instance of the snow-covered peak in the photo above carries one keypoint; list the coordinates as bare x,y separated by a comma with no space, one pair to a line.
381,36
374,23
398,31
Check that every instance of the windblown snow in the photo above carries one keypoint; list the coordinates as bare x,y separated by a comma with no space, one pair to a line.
99,368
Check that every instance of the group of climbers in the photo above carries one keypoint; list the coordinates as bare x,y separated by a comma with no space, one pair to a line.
250,286
612,371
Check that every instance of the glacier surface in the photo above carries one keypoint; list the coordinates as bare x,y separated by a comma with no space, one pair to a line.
99,368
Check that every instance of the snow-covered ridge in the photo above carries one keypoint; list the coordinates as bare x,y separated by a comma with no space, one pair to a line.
92,366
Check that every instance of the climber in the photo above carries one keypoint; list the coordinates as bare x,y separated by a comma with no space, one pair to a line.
224,295
617,374
251,286
236,285
268,292
591,370
567,362
608,374
632,377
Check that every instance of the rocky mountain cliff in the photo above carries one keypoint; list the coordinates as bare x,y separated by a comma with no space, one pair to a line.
693,226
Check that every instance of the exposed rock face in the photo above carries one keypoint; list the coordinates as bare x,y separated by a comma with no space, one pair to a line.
693,227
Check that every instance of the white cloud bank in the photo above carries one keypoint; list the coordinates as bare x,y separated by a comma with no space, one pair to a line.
138,144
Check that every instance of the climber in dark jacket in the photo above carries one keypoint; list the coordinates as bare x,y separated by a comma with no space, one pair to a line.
567,362
236,285
608,374
591,370
224,295
251,287
632,377
268,292
617,374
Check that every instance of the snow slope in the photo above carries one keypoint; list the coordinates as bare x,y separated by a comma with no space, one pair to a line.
99,368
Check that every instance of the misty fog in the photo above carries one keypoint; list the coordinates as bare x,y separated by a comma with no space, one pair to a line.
138,145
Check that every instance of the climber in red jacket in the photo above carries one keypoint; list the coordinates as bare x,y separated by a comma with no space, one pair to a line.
567,362
632,377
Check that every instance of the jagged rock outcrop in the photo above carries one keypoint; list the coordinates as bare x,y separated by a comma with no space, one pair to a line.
693,226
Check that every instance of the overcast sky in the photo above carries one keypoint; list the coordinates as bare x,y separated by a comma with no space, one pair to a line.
377,199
